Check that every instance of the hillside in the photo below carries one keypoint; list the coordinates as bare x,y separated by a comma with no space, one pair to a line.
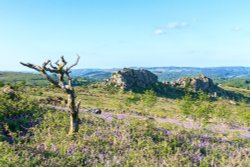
123,127
29,78
172,73
133,128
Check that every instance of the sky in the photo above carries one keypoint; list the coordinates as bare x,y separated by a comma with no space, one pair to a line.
125,33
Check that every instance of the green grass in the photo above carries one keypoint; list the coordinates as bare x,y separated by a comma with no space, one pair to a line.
236,82
38,137
116,100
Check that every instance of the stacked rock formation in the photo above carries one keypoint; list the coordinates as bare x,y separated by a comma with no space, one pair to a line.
131,79
200,82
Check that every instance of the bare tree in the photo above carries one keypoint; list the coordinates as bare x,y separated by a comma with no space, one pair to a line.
64,82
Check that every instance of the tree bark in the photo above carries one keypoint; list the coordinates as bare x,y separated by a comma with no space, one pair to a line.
61,71
74,112
74,124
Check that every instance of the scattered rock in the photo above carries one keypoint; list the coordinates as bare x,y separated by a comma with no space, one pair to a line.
94,110
131,79
232,102
150,118
57,101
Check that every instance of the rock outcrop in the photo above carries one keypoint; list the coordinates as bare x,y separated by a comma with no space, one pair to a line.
200,82
205,84
9,90
131,79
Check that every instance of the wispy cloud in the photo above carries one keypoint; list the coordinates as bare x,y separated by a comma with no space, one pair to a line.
171,26
159,31
177,25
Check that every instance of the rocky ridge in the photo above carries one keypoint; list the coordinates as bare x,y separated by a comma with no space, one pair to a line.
200,82
131,79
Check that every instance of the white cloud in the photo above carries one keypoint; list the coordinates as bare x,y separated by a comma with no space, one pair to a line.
236,28
177,25
171,26
159,31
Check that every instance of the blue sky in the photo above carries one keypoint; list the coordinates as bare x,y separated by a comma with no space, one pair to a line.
124,33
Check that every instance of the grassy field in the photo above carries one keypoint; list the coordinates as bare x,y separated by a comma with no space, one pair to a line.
22,78
119,101
151,130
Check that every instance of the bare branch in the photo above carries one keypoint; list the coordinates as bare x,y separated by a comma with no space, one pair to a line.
57,63
46,76
42,70
64,63
45,64
35,67
51,70
52,66
73,65
63,60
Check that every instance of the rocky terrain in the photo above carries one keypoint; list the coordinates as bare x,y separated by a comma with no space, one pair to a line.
200,82
130,79
141,80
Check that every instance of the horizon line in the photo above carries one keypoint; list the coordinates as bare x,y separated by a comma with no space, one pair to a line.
146,67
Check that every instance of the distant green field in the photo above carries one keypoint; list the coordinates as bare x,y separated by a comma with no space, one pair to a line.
19,77
236,82
29,79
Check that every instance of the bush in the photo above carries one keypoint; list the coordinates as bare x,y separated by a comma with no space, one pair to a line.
1,84
132,98
149,98
199,107
16,116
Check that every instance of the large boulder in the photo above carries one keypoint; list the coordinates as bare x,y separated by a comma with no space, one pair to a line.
9,90
131,79
200,82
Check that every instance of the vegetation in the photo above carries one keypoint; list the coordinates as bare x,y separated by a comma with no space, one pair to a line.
199,107
28,78
137,129
39,137
238,83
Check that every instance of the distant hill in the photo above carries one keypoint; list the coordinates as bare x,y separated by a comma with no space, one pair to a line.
231,76
29,78
96,74
34,79
172,73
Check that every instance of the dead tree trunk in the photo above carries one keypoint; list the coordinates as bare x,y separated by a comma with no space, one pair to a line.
74,112
63,74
